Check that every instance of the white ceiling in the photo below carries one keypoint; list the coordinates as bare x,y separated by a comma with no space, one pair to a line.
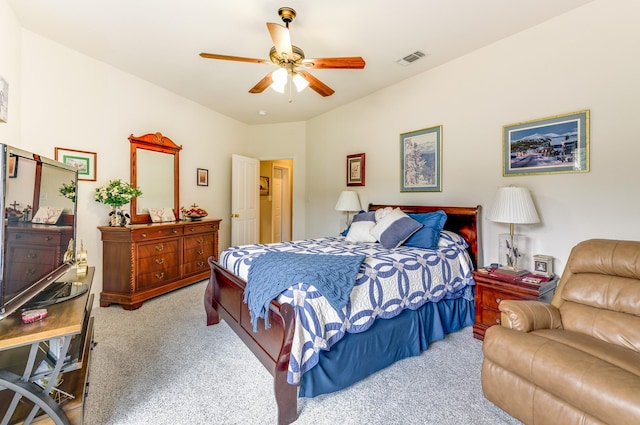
160,41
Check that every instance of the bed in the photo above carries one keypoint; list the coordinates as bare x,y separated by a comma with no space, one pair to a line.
410,330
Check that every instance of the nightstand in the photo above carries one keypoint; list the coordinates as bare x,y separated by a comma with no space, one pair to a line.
492,288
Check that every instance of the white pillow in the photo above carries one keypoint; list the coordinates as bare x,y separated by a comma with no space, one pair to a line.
382,213
359,231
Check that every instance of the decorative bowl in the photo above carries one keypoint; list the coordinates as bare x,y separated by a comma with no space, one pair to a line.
194,213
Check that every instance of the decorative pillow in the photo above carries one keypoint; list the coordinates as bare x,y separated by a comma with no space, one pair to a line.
359,231
394,228
449,238
365,216
428,236
346,231
382,212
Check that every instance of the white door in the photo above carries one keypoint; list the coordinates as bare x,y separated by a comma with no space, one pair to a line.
245,197
281,205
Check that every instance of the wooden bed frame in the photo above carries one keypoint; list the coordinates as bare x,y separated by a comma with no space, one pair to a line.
224,294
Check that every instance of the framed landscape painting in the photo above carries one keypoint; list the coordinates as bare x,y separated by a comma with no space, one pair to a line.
558,144
421,160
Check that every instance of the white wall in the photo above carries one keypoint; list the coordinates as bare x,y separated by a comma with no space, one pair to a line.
10,70
70,100
585,59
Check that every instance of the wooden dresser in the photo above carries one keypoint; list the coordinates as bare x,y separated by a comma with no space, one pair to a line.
32,251
142,261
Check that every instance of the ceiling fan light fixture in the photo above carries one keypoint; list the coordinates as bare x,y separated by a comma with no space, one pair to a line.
279,78
300,82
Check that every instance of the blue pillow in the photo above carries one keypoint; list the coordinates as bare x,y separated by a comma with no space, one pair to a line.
395,228
427,237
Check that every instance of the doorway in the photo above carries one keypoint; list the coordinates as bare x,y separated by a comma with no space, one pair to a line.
276,202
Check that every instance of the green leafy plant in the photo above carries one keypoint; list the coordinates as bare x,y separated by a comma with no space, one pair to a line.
117,193
68,190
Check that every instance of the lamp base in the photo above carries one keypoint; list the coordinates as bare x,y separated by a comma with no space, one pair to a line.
512,272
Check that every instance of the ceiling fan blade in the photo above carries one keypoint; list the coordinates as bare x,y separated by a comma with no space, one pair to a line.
355,62
281,39
262,84
318,86
233,58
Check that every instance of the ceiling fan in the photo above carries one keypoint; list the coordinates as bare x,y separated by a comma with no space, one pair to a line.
291,61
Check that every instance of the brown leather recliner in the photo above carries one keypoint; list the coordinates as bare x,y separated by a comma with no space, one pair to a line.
576,360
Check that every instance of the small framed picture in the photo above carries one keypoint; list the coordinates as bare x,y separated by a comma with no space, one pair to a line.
264,186
543,265
84,161
13,167
355,169
203,177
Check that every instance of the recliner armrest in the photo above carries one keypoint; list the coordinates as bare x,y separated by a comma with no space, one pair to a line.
527,316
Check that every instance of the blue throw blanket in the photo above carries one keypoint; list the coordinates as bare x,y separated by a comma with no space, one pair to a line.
271,273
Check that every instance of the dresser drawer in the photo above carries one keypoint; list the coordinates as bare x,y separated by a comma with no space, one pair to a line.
198,241
198,266
489,317
157,278
33,255
158,263
158,248
152,232
39,238
491,298
200,228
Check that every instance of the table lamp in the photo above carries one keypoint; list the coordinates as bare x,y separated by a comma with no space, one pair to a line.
512,205
348,201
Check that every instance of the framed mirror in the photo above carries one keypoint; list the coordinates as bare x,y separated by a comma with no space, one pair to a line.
155,170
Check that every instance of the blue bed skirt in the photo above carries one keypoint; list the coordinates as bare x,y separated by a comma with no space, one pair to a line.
358,355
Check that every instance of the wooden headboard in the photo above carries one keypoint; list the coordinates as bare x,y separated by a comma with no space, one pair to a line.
465,221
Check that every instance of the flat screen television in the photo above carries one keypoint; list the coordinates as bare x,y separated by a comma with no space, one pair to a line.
39,232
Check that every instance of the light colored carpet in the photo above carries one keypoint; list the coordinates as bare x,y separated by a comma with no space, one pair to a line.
161,365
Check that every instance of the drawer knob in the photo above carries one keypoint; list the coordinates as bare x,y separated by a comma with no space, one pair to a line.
48,238
200,240
160,247
174,231
159,275
498,300
159,260
200,252
144,235
201,264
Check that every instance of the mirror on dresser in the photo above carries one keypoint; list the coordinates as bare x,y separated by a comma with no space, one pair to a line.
155,171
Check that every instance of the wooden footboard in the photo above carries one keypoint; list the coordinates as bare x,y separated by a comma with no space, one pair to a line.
223,300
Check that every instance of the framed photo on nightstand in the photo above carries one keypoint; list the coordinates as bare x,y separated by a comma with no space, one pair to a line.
543,265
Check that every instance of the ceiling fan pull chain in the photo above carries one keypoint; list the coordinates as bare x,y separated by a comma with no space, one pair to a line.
290,91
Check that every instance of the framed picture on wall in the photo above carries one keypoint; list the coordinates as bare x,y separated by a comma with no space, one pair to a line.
421,160
264,186
558,144
355,169
4,100
85,162
203,177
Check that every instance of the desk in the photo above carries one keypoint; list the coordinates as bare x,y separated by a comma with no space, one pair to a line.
67,329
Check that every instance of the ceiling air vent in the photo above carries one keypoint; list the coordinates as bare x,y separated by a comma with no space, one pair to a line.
410,58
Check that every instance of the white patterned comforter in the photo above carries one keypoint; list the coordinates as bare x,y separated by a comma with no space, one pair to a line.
389,281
